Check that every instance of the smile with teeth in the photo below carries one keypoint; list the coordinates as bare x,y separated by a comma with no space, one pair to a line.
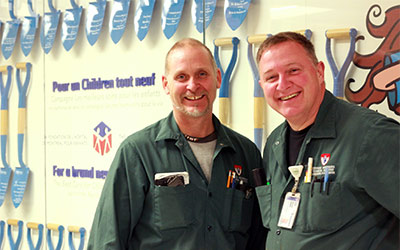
289,96
194,98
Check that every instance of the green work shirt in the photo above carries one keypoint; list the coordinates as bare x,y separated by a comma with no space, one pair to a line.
134,213
361,209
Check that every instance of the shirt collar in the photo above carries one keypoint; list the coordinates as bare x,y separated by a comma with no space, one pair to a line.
169,130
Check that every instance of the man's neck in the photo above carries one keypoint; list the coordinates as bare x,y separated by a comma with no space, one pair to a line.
195,126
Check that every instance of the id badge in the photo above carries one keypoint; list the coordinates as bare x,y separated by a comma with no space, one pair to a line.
289,210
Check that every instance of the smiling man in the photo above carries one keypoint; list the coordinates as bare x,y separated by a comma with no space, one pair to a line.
183,182
332,167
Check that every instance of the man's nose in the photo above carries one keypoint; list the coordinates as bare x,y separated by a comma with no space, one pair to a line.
192,84
283,82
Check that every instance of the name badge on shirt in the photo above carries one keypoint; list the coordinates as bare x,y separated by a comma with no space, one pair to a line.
289,210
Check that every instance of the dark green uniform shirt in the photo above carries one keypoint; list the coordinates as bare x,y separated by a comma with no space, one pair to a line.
361,210
134,213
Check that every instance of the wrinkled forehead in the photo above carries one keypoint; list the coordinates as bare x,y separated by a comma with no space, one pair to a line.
185,51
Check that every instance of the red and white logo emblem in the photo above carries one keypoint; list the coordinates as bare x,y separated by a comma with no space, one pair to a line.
325,158
238,169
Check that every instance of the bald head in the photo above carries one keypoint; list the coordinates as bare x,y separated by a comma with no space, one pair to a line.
188,42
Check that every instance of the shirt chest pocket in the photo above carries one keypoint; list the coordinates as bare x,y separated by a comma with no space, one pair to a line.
237,211
264,199
320,210
171,206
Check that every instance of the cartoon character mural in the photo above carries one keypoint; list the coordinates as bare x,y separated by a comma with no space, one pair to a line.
383,79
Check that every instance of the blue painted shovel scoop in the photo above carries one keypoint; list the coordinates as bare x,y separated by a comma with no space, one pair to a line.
70,25
198,15
119,15
10,32
21,174
49,28
94,20
235,12
143,14
171,15
5,172
28,32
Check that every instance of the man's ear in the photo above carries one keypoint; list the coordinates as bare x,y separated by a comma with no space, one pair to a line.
219,78
321,72
165,84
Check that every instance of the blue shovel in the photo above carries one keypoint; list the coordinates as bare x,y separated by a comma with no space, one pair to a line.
49,28
10,32
338,75
28,32
224,101
21,174
70,25
94,20
5,92
119,15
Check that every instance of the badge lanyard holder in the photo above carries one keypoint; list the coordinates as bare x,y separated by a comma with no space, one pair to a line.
119,15
60,230
235,12
5,172
49,28
81,231
10,32
143,14
19,223
224,102
2,223
94,20
28,32
70,25
199,15
171,16
39,227
259,103
338,75
21,174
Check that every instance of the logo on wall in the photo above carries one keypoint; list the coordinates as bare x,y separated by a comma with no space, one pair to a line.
383,80
102,138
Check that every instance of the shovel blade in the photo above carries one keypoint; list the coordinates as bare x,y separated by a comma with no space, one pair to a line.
235,12
5,174
49,30
143,18
70,27
9,37
94,21
119,15
18,185
171,15
197,13
29,26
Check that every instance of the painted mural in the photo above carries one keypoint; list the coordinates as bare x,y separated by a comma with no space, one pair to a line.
383,79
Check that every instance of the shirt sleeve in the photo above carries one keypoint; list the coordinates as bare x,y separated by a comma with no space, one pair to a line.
378,166
121,202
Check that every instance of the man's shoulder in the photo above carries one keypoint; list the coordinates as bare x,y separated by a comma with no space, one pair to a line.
146,134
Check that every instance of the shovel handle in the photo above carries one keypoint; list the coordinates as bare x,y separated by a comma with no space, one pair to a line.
13,222
54,227
338,33
32,225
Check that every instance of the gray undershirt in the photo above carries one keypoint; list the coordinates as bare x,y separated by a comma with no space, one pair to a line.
204,153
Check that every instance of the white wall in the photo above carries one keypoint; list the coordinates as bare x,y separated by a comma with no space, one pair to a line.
60,125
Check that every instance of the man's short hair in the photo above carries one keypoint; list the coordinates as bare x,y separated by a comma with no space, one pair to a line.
188,42
285,37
